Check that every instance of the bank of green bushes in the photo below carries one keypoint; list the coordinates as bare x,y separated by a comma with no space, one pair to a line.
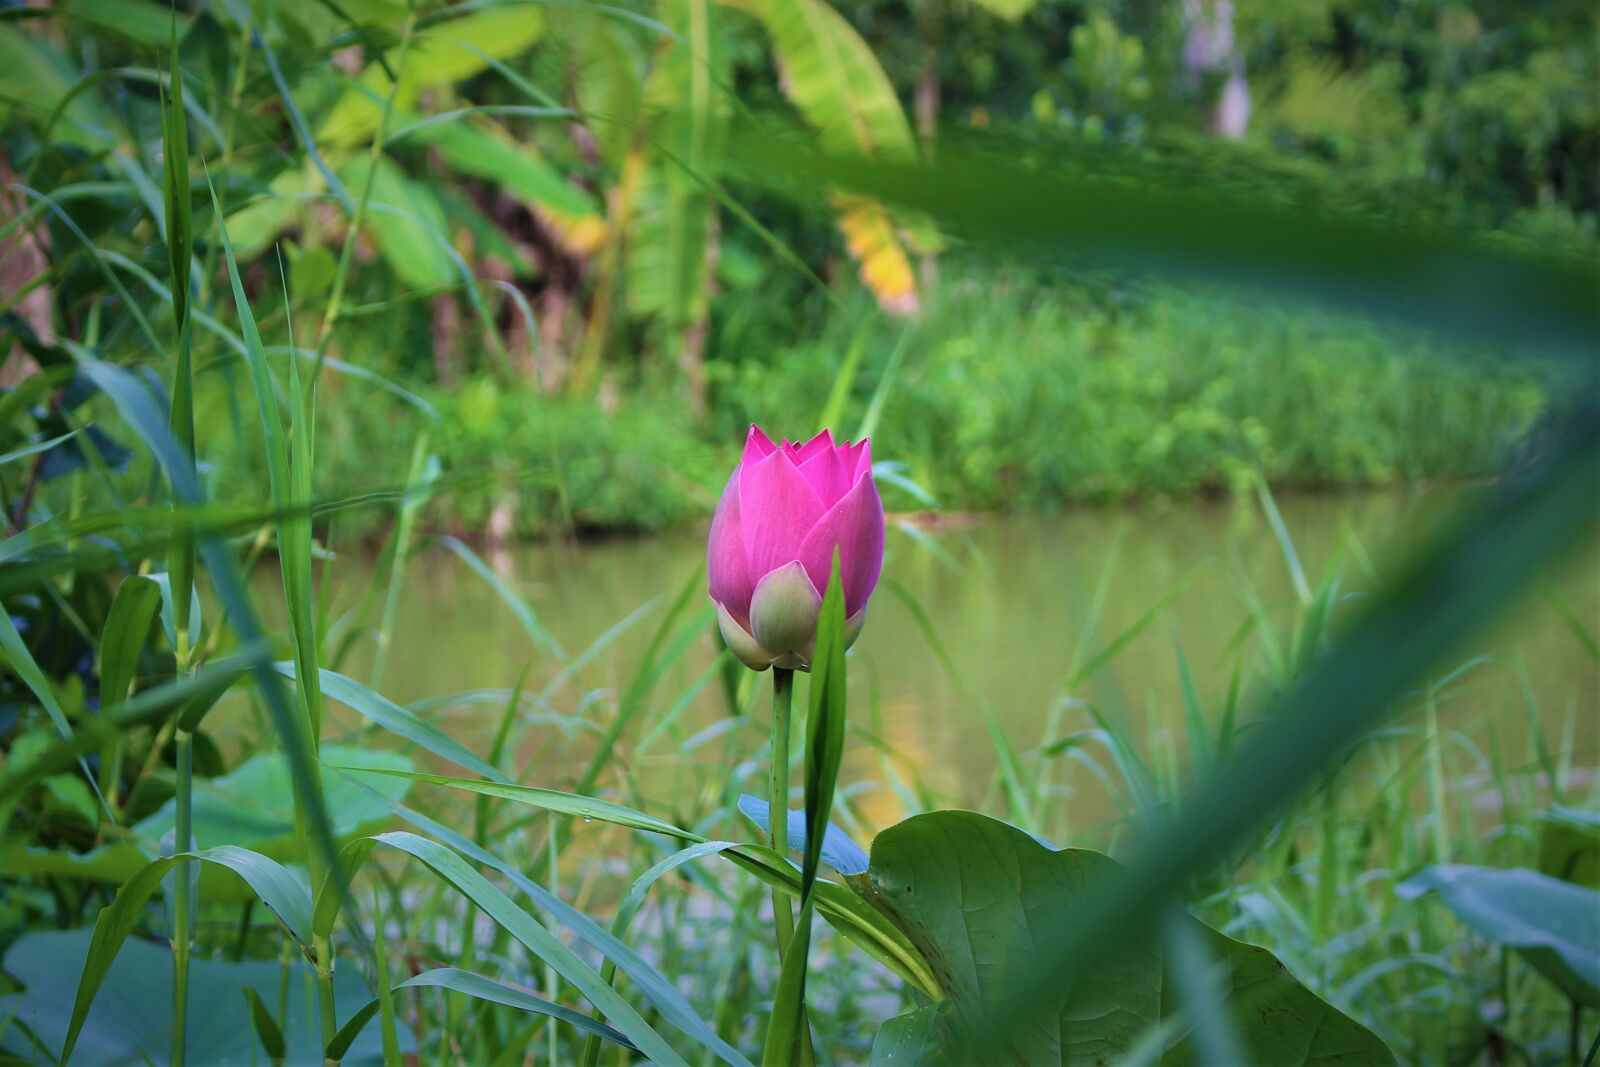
1012,392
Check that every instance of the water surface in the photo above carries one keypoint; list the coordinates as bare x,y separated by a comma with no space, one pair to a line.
1013,601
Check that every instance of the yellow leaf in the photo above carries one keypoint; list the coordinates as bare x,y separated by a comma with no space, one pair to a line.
885,268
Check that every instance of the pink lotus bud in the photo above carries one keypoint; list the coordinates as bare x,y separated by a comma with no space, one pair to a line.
784,511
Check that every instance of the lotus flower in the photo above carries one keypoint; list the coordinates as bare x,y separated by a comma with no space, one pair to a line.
785,510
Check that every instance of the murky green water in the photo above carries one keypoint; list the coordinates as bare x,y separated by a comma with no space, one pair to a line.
1010,599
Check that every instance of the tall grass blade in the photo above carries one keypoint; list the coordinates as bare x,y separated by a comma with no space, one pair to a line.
533,936
655,987
180,252
397,720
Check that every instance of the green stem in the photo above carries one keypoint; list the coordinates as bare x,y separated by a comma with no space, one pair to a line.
380,958
182,900
778,797
778,827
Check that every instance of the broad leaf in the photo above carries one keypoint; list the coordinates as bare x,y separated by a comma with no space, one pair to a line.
131,1021
253,805
445,53
36,78
1569,846
971,893
486,151
1554,924
836,82
406,222
912,1038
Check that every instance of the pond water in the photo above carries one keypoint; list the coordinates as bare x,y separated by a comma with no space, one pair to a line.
1011,599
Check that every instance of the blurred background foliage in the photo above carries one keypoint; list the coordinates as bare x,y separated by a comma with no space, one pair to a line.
560,281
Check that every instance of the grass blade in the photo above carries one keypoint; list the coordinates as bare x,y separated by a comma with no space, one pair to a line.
533,936
398,720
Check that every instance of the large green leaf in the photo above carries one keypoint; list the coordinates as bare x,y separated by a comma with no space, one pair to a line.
836,82
131,1021
971,891
446,52
1569,845
1554,924
253,805
406,221
487,152
283,893
35,75
667,268
907,1039
143,21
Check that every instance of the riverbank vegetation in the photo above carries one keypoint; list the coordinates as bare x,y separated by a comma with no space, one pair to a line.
284,282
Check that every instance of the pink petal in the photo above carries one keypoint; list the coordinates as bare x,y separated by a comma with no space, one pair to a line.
859,458
757,446
828,475
855,525
823,441
727,569
776,508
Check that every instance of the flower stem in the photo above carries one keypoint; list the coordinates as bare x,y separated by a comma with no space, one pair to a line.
778,829
778,796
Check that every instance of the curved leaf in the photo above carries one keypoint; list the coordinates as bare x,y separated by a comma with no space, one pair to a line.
836,82
131,1024
407,223
1554,924
447,52
655,986
971,893
253,805
482,988
126,631
276,887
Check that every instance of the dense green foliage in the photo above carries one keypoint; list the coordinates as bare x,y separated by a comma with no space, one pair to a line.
1006,395
1481,115
283,278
